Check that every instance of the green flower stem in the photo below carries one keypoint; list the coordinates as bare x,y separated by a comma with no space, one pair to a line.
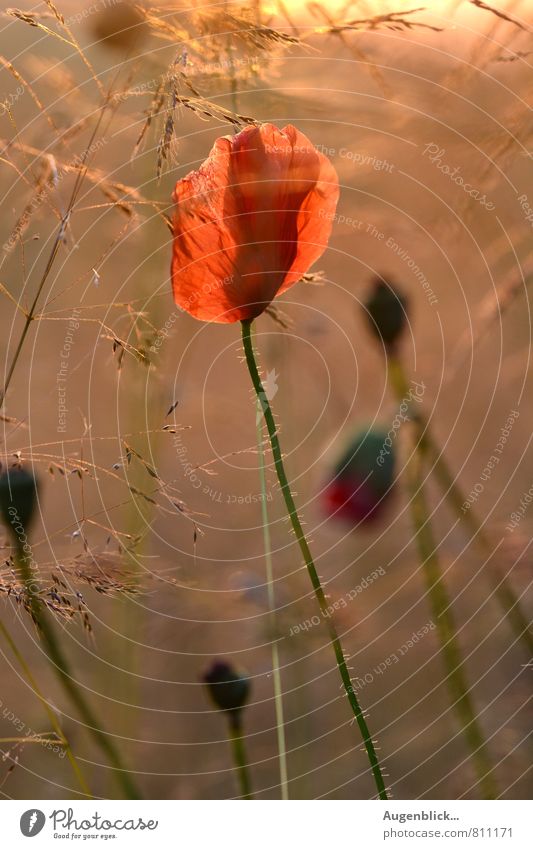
62,670
29,316
426,445
51,715
306,553
236,736
276,674
444,620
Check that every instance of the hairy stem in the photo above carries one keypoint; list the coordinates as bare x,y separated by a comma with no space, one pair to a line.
62,670
236,736
50,713
446,628
309,562
427,447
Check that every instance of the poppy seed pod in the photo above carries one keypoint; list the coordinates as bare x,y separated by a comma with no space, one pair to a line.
229,689
386,312
18,500
363,478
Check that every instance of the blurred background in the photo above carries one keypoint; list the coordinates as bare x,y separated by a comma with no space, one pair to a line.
152,519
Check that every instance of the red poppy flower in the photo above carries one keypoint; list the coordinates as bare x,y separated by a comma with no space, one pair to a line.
250,222
354,501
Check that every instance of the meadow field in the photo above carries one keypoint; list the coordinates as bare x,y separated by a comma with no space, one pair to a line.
160,543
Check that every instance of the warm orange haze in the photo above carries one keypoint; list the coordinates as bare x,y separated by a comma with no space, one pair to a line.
266,473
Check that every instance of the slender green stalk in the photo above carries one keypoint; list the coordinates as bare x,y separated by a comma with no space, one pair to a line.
276,673
30,315
426,445
444,620
39,738
236,736
51,715
307,556
62,670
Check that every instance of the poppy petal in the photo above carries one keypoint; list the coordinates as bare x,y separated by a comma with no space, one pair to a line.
250,222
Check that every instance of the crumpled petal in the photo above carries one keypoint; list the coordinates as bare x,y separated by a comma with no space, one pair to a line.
250,222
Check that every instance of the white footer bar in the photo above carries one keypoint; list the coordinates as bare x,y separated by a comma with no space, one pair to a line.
267,824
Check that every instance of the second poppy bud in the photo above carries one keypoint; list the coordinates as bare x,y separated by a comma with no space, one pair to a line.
229,689
362,480
18,500
386,312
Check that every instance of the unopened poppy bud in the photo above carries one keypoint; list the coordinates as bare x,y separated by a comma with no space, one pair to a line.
18,500
386,312
363,478
228,688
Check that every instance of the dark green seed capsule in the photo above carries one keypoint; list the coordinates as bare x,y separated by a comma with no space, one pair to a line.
228,688
18,500
386,312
